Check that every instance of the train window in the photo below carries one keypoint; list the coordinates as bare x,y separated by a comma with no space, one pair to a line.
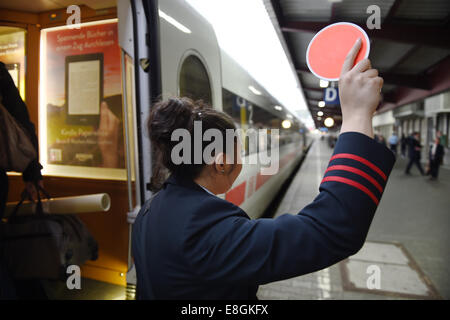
194,80
248,115
12,54
236,107
241,111
228,105
264,119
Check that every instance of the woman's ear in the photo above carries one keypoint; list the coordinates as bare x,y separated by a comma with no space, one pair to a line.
219,163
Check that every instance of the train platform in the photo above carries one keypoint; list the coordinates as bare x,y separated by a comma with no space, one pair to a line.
406,252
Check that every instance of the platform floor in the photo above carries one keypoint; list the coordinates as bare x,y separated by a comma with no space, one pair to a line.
407,248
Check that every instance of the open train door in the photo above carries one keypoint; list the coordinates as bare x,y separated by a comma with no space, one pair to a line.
139,42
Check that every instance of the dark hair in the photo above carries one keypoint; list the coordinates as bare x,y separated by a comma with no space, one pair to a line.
177,113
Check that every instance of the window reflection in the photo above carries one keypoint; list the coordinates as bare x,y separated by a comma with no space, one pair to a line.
248,115
194,80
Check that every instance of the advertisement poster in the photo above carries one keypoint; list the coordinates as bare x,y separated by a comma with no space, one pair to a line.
82,97
12,54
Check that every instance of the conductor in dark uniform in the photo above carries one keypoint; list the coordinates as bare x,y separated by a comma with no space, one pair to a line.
188,243
414,150
435,156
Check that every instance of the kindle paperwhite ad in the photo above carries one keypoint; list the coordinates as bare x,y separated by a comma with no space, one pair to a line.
84,88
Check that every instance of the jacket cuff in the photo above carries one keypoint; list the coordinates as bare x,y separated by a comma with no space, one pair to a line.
360,162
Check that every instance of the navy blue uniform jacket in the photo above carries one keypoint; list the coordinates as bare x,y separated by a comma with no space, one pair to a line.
189,244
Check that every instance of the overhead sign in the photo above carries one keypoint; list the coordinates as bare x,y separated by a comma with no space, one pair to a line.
331,96
328,48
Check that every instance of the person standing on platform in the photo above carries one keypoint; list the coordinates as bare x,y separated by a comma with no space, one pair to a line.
435,156
393,140
403,143
380,139
414,151
377,137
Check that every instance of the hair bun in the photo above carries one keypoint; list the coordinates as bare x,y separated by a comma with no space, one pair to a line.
181,113
167,116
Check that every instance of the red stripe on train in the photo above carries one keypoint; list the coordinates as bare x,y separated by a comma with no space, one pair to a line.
237,194
261,179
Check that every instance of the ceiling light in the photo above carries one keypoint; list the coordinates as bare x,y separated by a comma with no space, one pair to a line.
319,118
321,104
323,83
320,113
289,116
329,122
174,22
286,124
254,90
278,108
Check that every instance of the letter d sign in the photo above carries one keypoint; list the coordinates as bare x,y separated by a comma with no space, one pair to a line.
331,96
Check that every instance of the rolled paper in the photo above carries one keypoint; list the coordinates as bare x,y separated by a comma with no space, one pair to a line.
100,202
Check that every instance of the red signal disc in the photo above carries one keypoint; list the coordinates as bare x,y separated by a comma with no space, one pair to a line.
328,48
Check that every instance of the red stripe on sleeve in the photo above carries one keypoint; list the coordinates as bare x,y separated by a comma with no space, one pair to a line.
353,184
358,172
362,160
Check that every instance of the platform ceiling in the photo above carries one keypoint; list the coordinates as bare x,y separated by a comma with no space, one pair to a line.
411,50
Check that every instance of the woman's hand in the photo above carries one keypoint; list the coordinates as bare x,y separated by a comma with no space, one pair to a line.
359,93
108,134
